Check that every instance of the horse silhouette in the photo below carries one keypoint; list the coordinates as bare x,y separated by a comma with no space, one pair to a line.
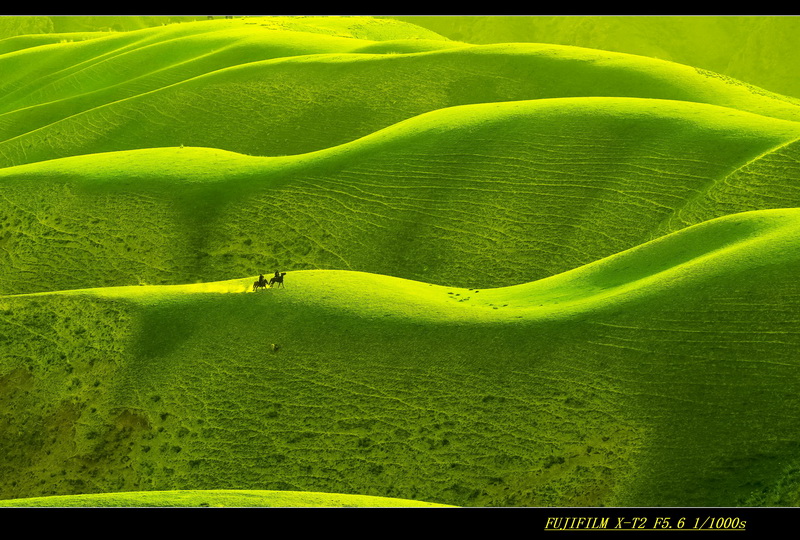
277,279
260,284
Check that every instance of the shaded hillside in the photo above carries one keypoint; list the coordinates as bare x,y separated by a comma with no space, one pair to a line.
353,26
43,25
771,180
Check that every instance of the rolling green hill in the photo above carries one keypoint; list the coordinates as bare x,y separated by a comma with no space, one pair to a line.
758,49
258,92
518,274
475,195
615,383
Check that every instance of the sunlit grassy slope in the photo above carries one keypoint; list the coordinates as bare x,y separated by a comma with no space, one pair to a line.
480,195
218,498
251,90
661,375
518,273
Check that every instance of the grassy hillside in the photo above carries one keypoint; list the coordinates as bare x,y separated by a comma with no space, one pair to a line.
43,25
615,383
258,92
469,196
360,27
518,274
757,49
769,181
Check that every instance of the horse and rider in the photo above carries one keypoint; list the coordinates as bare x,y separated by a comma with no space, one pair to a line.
262,281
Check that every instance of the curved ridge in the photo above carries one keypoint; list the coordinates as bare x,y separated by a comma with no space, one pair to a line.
301,86
687,258
454,190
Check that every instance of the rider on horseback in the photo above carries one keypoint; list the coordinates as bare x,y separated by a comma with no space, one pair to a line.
277,279
261,283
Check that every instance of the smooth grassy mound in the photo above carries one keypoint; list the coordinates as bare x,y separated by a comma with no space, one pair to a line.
697,254
217,498
51,83
756,49
57,67
272,91
480,195
663,375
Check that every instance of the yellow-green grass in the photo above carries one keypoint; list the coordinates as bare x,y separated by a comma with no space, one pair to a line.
764,45
663,375
48,84
73,65
216,498
44,25
477,195
769,181
696,254
756,49
27,31
237,86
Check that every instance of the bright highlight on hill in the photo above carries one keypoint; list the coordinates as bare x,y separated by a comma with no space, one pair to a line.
219,498
717,249
517,274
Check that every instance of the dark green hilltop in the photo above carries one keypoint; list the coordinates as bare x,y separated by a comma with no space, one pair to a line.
523,267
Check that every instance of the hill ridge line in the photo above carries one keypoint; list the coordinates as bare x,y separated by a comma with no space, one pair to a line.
391,130
359,56
582,289
678,212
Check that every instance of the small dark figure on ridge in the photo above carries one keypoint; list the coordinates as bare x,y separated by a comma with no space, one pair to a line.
277,279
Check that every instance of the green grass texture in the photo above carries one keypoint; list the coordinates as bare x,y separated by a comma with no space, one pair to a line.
522,273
